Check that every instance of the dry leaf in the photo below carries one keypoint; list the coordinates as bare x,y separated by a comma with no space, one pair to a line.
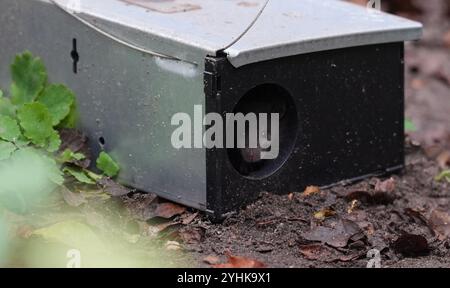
444,159
385,186
71,198
440,223
173,246
316,252
75,141
113,188
189,218
240,262
324,213
320,252
25,231
192,235
310,190
352,206
168,210
337,236
154,230
211,260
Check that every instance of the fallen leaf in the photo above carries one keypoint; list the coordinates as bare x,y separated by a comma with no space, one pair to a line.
153,230
444,175
71,233
173,246
415,214
320,252
192,235
385,186
113,188
168,210
411,245
290,196
211,260
24,231
350,257
75,141
316,252
189,218
141,206
440,223
338,236
444,159
352,206
310,190
71,198
324,213
240,262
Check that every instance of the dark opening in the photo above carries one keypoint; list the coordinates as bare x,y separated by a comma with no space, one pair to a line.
266,98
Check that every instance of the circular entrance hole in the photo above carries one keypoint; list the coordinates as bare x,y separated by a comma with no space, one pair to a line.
255,161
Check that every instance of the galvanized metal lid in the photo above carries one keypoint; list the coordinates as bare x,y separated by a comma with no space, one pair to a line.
247,31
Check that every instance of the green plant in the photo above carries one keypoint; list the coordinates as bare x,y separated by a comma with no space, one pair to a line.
30,121
444,175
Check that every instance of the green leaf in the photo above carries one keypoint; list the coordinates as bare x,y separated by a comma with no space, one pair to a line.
27,178
6,149
409,126
9,129
68,156
36,122
29,77
58,99
22,142
7,108
54,141
93,175
106,164
72,233
445,175
71,120
79,174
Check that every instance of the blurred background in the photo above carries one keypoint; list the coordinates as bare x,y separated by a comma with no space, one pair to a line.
427,70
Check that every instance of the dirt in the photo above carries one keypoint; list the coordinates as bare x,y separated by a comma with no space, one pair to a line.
397,221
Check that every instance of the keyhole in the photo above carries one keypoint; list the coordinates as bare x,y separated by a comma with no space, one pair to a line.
75,56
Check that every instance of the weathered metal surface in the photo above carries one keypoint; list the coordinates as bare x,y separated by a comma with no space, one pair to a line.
187,34
192,29
124,96
292,27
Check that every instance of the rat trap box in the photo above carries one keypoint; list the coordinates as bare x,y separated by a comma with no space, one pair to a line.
333,71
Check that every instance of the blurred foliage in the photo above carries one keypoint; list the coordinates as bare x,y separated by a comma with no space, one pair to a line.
39,173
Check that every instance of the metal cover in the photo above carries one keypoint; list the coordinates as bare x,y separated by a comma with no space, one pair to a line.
291,27
247,30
